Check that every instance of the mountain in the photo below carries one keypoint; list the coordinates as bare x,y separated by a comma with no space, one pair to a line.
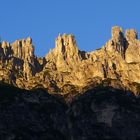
71,94
66,69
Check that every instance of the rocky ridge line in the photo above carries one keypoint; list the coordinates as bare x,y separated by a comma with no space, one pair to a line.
66,69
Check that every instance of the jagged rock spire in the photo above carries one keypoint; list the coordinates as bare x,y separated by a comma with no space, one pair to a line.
117,42
133,50
117,34
131,35
65,53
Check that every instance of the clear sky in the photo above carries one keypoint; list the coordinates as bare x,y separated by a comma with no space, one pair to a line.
89,20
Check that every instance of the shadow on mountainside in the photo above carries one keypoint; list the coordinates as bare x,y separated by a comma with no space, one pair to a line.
100,113
31,115
105,113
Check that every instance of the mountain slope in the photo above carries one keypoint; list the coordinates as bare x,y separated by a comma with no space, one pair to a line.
99,113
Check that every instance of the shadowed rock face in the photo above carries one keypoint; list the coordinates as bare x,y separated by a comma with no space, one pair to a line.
66,69
31,115
99,113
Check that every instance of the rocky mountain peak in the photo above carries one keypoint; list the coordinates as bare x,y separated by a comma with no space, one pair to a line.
66,53
117,43
117,34
23,49
29,41
5,44
131,35
66,44
66,69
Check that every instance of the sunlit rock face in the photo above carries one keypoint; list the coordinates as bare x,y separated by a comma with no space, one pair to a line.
18,61
133,50
24,50
118,40
66,54
66,69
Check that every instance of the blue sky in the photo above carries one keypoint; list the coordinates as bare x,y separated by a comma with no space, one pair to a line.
89,20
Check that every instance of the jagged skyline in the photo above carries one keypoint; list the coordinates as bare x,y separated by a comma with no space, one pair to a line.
69,70
90,21
66,68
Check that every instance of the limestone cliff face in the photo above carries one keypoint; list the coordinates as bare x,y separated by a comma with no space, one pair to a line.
18,60
66,69
66,54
